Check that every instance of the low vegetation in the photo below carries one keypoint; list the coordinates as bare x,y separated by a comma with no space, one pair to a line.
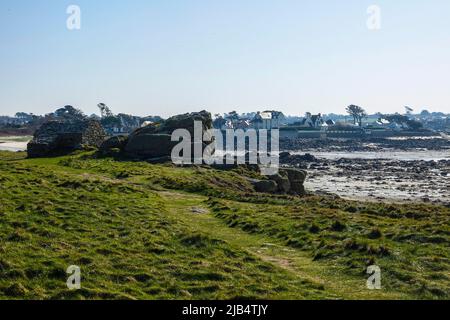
146,231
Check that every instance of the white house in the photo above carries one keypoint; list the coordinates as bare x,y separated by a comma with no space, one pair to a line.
313,121
267,120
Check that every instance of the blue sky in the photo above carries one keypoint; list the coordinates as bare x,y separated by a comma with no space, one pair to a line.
167,57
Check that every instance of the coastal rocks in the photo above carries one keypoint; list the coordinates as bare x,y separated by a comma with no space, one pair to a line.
296,179
186,121
114,143
297,159
150,145
364,144
283,184
154,141
287,181
266,186
383,179
64,136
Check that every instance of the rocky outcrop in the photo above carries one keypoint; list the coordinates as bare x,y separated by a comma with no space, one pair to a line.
186,121
62,136
150,145
154,141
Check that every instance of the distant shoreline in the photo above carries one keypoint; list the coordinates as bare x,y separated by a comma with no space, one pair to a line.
14,143
14,134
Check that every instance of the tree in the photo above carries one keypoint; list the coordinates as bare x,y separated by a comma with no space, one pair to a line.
219,122
357,113
408,110
69,112
23,115
233,116
414,124
425,113
105,111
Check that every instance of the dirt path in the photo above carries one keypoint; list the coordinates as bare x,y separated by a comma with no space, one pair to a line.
192,210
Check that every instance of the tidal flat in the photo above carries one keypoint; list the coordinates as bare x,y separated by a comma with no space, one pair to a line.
396,170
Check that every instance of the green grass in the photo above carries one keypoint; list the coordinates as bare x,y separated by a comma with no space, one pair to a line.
143,231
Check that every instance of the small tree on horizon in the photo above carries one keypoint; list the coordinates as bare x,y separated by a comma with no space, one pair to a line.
105,111
357,113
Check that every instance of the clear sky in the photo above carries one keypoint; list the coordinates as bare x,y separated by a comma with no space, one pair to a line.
150,57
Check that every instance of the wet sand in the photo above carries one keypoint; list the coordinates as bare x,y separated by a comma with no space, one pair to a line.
382,180
14,143
406,170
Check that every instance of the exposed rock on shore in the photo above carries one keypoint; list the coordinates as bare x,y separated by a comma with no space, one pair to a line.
288,180
382,179
367,144
296,178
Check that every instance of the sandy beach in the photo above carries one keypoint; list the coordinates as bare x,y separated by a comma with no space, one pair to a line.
14,143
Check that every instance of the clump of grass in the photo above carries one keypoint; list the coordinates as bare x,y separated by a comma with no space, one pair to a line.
109,217
199,241
338,226
375,233
390,241
314,228
16,290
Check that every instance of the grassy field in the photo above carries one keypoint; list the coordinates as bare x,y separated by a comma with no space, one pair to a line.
143,231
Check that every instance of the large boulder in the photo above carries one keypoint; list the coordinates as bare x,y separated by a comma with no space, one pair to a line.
154,141
148,129
186,121
282,181
113,143
286,181
266,186
63,136
150,145
296,178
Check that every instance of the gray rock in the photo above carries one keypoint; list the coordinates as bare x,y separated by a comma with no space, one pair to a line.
186,121
154,141
150,146
294,174
283,183
298,188
296,178
266,186
116,142
64,136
